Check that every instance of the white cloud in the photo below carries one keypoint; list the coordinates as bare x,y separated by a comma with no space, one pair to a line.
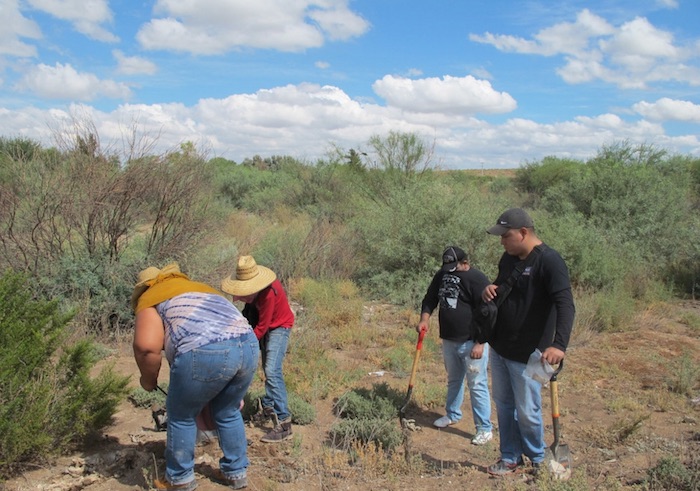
133,65
452,95
666,109
670,4
87,16
218,26
566,37
632,55
323,65
303,120
16,27
64,82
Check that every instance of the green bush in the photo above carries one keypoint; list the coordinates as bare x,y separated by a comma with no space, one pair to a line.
367,416
303,413
49,403
670,474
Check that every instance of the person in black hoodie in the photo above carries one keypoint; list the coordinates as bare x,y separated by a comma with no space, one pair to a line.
455,287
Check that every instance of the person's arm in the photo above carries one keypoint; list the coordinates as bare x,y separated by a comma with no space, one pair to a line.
149,337
564,305
429,303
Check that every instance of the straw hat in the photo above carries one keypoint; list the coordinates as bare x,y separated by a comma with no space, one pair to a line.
250,278
145,279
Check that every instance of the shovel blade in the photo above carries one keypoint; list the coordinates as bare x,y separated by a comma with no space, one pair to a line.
560,462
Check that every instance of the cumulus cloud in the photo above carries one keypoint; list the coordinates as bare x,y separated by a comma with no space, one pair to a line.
133,65
15,28
87,16
218,26
304,120
453,95
666,109
65,82
631,55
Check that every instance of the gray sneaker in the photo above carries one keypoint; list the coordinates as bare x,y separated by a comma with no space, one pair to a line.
482,437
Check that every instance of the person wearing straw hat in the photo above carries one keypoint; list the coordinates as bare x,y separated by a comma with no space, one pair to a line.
213,355
268,311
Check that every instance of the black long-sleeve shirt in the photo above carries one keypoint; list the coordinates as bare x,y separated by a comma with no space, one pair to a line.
454,292
539,311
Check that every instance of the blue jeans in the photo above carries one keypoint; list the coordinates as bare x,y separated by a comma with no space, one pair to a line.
219,374
519,407
273,347
459,365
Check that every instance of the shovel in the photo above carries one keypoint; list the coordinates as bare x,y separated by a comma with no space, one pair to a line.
416,357
560,465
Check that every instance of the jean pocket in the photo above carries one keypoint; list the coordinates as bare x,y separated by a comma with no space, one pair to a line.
211,364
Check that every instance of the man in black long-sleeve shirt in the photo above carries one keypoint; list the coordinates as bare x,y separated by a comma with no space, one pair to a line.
454,289
537,314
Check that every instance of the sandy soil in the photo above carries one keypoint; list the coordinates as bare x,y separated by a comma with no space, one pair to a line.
612,380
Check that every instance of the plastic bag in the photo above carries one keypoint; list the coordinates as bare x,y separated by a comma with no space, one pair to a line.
539,369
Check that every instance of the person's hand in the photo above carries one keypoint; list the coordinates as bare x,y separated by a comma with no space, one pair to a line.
553,355
477,351
148,383
489,293
422,325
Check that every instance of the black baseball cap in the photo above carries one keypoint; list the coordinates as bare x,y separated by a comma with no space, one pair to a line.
513,218
452,256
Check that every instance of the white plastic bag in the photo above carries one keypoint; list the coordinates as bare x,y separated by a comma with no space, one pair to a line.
539,369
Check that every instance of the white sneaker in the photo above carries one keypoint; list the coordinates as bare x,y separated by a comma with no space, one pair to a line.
443,422
482,437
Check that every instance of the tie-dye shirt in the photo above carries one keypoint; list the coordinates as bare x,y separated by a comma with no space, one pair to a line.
194,319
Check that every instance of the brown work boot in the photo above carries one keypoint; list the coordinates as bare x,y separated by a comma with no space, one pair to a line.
281,431
164,484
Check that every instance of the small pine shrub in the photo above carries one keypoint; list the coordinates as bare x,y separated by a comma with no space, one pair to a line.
49,402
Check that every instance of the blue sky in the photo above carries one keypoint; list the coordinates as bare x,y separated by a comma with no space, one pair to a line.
490,84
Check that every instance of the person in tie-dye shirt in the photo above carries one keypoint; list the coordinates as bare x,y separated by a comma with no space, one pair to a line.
213,355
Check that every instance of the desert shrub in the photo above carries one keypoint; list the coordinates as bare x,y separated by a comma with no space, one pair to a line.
362,404
143,399
669,473
382,432
49,402
303,413
332,304
298,245
536,178
367,417
400,238
686,373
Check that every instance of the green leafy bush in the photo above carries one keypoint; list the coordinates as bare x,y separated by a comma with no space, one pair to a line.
49,402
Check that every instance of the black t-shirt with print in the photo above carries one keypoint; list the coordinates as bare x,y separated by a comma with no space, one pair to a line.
454,292
539,311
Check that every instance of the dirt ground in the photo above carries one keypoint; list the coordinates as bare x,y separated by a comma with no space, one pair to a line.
619,417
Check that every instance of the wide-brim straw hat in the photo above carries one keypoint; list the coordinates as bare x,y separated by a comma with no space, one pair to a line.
250,278
145,279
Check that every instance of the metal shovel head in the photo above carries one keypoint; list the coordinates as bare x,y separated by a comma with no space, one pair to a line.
560,462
